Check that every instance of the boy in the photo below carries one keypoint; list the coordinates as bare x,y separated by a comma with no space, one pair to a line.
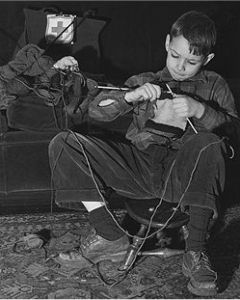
163,146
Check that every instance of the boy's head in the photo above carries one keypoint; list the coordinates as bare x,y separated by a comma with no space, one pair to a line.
189,45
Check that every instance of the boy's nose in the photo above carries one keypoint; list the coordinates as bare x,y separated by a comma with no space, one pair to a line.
181,65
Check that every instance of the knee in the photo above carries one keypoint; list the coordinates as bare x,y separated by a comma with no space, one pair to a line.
213,146
207,144
204,139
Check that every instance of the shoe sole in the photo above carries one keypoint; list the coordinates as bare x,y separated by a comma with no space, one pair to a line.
195,290
83,262
114,257
73,264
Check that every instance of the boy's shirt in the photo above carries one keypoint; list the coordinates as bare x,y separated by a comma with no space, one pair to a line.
207,87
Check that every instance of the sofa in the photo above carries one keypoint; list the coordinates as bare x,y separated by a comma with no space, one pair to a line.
28,123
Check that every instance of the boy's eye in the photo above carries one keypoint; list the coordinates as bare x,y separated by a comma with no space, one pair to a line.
174,55
192,63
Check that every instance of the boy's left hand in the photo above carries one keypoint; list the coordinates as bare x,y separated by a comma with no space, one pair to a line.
186,106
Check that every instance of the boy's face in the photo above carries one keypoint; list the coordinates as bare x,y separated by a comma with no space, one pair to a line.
181,63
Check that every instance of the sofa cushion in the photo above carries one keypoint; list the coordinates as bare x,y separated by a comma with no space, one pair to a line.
31,113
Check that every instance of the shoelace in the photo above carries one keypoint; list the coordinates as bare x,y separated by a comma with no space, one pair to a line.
204,261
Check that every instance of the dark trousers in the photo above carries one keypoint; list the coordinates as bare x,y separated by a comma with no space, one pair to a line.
194,174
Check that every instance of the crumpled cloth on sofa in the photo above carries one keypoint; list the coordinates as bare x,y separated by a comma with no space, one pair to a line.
17,76
29,61
31,71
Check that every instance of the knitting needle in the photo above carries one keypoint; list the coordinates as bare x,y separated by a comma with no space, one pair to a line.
112,88
95,84
189,121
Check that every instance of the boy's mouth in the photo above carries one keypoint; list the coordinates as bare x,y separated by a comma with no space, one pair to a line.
178,76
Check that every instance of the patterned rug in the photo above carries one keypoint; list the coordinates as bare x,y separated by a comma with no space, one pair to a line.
32,272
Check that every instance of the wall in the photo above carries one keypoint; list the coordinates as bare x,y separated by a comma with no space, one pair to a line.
133,40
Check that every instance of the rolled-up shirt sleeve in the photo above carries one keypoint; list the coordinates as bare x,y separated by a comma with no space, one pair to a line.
223,110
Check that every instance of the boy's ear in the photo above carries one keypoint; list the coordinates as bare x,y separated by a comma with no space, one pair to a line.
208,58
167,42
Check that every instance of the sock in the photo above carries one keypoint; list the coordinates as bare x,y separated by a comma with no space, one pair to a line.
198,228
105,226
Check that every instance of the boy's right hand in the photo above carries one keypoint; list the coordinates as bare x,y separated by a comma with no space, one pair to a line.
145,92
67,63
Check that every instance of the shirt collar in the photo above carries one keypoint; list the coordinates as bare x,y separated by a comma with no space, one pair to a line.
165,75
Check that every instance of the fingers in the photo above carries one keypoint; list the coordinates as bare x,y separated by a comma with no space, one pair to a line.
67,63
151,91
182,106
147,91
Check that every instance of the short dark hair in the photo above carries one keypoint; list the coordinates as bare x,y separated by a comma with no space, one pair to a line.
198,29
